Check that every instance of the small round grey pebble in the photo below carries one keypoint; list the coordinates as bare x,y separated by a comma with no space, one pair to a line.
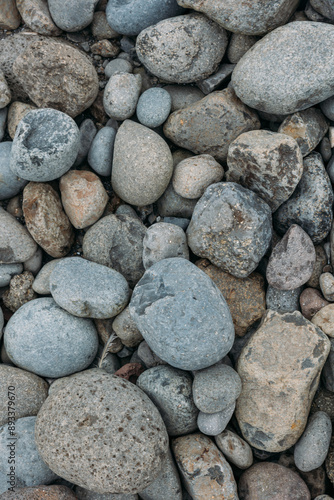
118,65
311,450
213,424
326,282
172,204
121,95
7,271
10,184
44,339
41,284
87,133
34,264
235,449
163,241
77,15
101,151
283,300
45,146
153,107
3,119
167,485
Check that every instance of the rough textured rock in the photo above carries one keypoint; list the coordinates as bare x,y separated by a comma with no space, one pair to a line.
266,78
290,379
182,49
10,18
200,129
238,45
324,7
320,263
46,220
238,239
17,110
5,94
20,291
57,75
183,95
172,294
235,449
134,444
166,485
3,119
53,492
36,15
311,301
268,163
324,319
77,15
10,184
16,244
163,241
121,95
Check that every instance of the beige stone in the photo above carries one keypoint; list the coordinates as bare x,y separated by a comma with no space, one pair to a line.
320,263
324,319
105,48
36,15
20,291
125,329
10,18
5,93
17,110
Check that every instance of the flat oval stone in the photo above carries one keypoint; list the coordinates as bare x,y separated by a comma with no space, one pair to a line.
266,78
43,338
235,449
87,132
121,95
153,107
87,289
172,295
16,243
125,432
101,151
10,184
77,15
182,49
300,350
213,424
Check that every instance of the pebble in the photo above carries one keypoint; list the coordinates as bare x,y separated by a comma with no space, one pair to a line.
327,107
87,132
163,241
324,7
311,301
263,479
239,237
121,95
170,391
36,15
35,262
283,300
16,244
134,445
148,357
291,375
5,93
30,392
183,96
16,111
117,66
42,68
10,18
216,81
105,48
7,271
77,15
307,127
100,27
200,129
213,424
172,204
45,145
126,330
325,149
266,78
172,294
238,46
327,286
10,184
20,291
3,119
324,319
101,151
320,263
45,219
120,245
142,164
53,492
181,222
62,344
166,485
203,468
311,450
88,290
41,284
154,106
235,449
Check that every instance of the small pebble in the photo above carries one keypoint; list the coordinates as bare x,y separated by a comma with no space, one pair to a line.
213,424
34,264
170,204
311,450
105,48
37,17
10,184
163,241
117,66
320,263
101,151
325,149
121,95
311,301
216,81
327,286
324,319
148,357
153,107
20,291
126,330
239,45
183,95
235,449
166,485
327,107
41,284
87,132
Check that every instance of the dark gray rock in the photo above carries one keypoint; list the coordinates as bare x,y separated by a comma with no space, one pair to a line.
10,184
310,206
216,80
116,241
283,300
237,239
325,149
324,7
266,78
101,151
166,485
77,15
148,357
182,49
170,391
16,244
3,119
238,46
327,107
172,295
172,204
213,424
108,362
183,95
163,241
182,222
45,145
121,95
311,450
87,133
44,339
153,107
7,271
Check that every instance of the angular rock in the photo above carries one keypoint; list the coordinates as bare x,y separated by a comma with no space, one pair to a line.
324,319
16,244
10,184
77,15
17,110
101,151
235,449
311,301
291,379
105,48
10,18
163,241
217,80
166,485
121,95
200,128
36,15
311,450
212,424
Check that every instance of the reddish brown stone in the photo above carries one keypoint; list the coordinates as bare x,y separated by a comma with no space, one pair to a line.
311,301
130,371
105,48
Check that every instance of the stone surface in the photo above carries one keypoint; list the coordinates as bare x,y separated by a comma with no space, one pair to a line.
17,110
311,301
163,241
100,27
101,151
238,46
327,286
213,424
283,300
217,80
34,264
203,468
7,271
117,66
172,295
105,48
5,94
235,449
10,18
327,107
324,7
3,119
88,132
16,244
183,96
44,339
153,107
45,145
324,319
77,15
268,163
166,485
125,432
126,330
10,184
279,368
116,241
182,49
46,220
83,494
36,15
170,391
172,204
20,291
148,357
53,492
142,164
41,284
87,289
200,129
238,239
121,95
320,263
57,75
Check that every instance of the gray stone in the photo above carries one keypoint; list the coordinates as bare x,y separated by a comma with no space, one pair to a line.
44,339
117,66
121,95
310,206
16,243
148,357
153,107
182,49
77,15
170,391
311,450
238,46
2,321
324,7
327,107
34,264
200,128
213,424
10,184
41,284
88,290
172,295
181,222
183,95
255,18
87,133
292,260
116,241
326,282
216,80
235,449
283,300
106,361
166,485
7,271
142,164
238,239
172,204
3,119
323,497
163,241
268,163
83,494
101,151
131,17
5,93
45,145
325,149
126,434
36,15
126,330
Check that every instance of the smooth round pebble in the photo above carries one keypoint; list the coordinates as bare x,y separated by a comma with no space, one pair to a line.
326,281
34,264
121,95
173,205
101,151
7,271
10,184
16,244
235,449
153,107
213,424
163,241
117,66
126,330
77,15
87,133
183,95
311,450
41,284
193,175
